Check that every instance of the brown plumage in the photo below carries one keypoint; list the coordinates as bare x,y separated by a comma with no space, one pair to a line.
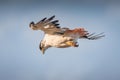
55,36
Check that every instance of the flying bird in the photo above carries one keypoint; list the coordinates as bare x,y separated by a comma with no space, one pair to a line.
55,36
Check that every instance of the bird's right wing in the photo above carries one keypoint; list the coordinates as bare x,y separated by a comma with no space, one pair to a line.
49,26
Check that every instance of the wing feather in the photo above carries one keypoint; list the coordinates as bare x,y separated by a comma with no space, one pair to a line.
43,19
94,36
49,26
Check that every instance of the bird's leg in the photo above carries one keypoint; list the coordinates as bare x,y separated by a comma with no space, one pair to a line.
72,43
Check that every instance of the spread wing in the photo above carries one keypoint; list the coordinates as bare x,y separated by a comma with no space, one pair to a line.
49,26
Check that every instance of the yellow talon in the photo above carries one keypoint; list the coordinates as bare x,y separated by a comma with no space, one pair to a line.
71,43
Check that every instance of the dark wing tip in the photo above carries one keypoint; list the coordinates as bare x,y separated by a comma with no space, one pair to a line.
94,37
55,21
49,19
43,19
57,25
31,23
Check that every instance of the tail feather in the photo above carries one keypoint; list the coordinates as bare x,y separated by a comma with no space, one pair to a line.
84,34
94,37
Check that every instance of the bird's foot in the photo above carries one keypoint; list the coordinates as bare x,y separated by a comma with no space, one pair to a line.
72,43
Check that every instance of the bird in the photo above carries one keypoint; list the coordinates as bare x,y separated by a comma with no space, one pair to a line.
60,37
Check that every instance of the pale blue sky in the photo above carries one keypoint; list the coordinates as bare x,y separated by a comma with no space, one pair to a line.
21,59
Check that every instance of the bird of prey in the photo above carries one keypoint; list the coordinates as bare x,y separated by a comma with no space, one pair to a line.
55,36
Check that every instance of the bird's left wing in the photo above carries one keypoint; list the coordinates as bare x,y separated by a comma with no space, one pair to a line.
49,26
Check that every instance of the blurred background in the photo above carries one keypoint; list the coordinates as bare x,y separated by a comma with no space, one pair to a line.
21,59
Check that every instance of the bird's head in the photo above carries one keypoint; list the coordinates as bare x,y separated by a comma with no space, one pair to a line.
43,47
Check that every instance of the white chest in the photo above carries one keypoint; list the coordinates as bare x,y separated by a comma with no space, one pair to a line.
54,40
